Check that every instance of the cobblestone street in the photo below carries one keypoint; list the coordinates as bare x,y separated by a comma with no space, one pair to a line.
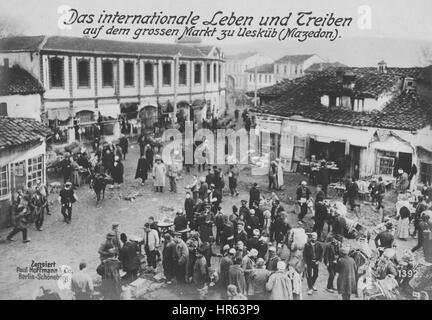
69,244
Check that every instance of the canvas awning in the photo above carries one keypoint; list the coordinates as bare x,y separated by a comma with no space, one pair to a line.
109,110
392,144
60,114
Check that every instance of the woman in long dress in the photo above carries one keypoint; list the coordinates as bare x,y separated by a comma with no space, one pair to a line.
279,176
142,169
403,223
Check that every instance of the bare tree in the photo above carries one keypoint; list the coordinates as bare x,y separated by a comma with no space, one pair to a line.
425,56
10,27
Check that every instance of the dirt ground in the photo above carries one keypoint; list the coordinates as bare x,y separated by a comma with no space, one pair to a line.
69,244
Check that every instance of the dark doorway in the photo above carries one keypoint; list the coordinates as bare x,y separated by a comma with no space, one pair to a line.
405,161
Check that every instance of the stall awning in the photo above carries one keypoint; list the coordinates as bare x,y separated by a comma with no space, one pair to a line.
60,114
392,144
109,110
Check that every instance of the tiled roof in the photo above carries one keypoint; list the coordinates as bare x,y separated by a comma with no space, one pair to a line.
301,96
294,59
368,81
18,131
323,66
86,45
264,68
21,43
16,80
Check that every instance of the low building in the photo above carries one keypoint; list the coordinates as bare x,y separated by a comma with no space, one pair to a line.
370,121
293,66
94,80
20,93
236,66
22,159
260,77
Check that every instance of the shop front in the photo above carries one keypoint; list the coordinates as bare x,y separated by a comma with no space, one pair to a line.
20,168
391,153
59,120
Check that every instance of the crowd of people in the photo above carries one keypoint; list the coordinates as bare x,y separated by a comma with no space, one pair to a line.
255,251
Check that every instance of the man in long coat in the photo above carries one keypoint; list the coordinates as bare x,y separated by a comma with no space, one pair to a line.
159,172
236,276
181,257
346,269
142,169
117,171
225,263
168,258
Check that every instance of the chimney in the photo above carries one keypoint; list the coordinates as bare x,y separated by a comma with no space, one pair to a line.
382,67
6,62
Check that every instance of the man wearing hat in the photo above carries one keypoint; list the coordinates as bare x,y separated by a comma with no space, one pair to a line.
210,177
385,238
214,198
203,189
244,210
303,194
200,274
248,264
224,265
252,222
150,243
107,248
331,255
159,172
227,232
116,240
240,234
346,269
117,171
20,223
172,173
236,276
253,242
254,194
258,280
181,258
279,285
180,221
66,198
273,259
313,253
129,258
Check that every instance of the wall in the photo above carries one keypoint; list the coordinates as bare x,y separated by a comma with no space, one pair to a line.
26,60
27,106
290,68
260,81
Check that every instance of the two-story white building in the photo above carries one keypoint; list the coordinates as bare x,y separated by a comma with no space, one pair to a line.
236,66
294,66
86,80
260,76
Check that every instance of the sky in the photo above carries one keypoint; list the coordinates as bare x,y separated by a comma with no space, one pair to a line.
397,19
